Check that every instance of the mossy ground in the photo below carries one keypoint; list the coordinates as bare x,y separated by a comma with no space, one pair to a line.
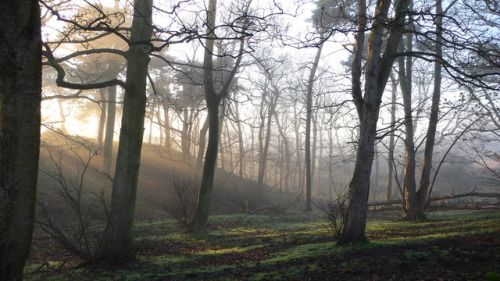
451,245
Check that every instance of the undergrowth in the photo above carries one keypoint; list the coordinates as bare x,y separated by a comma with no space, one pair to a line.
298,246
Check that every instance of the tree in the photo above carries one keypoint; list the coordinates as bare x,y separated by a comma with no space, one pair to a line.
119,232
309,109
390,160
20,98
416,200
213,98
118,241
274,71
378,67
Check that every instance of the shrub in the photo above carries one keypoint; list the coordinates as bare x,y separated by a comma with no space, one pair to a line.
335,214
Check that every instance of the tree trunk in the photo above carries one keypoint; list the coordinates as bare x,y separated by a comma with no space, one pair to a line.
118,242
409,182
388,193
374,189
286,152
229,150
160,127
198,223
423,189
221,140
262,155
110,129
307,145
168,136
298,141
267,141
201,147
240,141
102,119
330,164
20,98
368,107
185,134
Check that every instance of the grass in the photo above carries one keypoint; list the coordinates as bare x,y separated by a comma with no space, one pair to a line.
297,246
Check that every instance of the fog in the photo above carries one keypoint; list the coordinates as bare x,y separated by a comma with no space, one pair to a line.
180,135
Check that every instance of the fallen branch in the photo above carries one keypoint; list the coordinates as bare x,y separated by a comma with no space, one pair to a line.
444,197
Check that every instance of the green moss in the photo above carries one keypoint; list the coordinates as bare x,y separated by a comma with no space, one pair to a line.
288,238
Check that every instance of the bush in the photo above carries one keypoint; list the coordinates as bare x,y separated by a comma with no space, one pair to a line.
335,214
70,211
184,196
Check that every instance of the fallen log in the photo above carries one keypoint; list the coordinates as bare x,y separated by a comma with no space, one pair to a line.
444,197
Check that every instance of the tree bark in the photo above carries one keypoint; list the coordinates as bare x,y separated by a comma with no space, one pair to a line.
198,223
409,181
118,241
201,147
368,106
20,98
423,190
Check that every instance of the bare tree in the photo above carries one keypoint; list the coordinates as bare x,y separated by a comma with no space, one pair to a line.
118,241
378,67
213,98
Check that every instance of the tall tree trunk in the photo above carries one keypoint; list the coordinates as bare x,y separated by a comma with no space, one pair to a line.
221,140
267,141
298,141
201,147
423,189
110,129
168,136
118,241
307,146
240,141
252,154
388,193
20,98
330,164
198,223
368,106
185,134
319,185
160,126
286,152
229,150
376,177
262,155
102,119
409,182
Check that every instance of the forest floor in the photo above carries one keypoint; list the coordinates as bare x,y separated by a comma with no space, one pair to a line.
451,245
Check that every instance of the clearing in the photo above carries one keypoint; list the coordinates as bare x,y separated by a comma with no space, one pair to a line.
451,245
